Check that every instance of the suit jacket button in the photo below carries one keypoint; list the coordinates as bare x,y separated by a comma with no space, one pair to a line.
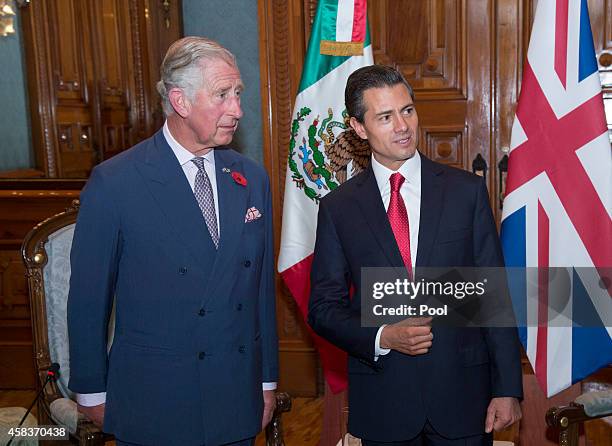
247,263
242,349
182,270
239,307
202,312
201,355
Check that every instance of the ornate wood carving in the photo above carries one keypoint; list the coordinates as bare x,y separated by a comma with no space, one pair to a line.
425,40
139,76
43,130
89,66
445,144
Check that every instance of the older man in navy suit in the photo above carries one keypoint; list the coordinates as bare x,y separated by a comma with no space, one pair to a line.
178,232
410,384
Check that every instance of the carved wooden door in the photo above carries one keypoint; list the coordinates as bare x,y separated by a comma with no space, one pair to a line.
92,66
114,68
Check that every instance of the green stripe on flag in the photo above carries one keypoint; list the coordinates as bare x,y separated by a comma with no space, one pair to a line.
329,14
317,65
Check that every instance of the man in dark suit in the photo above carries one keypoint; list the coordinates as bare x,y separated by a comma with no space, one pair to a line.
410,384
178,232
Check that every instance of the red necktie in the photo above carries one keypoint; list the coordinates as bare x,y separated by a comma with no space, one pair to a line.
398,217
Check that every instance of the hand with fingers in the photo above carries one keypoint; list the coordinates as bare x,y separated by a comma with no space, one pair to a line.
94,413
411,336
502,413
269,397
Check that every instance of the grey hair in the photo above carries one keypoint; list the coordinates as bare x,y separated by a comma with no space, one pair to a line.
184,64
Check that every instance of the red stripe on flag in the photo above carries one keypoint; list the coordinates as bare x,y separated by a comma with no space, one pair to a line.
333,360
360,16
561,25
541,361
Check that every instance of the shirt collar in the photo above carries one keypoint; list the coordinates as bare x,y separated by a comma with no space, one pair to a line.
183,155
410,170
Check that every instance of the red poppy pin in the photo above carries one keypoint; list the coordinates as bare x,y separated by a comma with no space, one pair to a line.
239,178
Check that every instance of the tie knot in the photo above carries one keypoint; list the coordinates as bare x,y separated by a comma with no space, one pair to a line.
199,162
396,181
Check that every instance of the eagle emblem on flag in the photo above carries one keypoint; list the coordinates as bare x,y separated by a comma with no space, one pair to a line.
325,159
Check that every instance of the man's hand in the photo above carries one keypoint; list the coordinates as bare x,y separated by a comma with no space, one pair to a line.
269,397
502,412
411,336
94,413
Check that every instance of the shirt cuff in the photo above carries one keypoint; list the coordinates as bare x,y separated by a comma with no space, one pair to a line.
268,386
91,399
378,350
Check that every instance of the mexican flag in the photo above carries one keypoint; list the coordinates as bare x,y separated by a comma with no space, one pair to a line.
323,150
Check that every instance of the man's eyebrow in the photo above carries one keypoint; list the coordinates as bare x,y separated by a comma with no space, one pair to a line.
386,112
228,88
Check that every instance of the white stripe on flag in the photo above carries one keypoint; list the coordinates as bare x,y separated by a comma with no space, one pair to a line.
344,20
596,160
298,231
541,56
573,45
559,359
532,350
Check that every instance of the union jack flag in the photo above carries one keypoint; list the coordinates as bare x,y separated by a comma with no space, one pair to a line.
557,209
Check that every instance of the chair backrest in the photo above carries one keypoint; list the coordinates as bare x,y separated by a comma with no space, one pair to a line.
56,283
46,254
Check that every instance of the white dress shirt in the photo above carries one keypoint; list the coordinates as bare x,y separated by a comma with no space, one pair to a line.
411,194
184,158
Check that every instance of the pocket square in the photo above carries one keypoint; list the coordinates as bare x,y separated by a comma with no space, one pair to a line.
252,215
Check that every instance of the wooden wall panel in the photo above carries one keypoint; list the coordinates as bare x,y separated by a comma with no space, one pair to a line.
92,66
424,40
116,66
23,204
69,37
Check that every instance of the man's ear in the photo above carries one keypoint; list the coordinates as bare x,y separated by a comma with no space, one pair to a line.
179,101
358,127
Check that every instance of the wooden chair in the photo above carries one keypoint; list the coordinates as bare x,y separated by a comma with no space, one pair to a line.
567,419
46,254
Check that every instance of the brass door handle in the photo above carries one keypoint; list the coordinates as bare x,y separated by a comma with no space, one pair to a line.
605,59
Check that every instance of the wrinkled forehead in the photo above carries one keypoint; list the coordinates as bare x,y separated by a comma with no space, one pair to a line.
219,73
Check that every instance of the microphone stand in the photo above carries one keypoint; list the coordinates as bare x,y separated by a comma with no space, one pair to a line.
51,376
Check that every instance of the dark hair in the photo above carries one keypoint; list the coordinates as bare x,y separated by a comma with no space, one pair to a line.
373,76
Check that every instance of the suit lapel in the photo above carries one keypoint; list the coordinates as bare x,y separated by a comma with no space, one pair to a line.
432,194
373,210
171,190
232,210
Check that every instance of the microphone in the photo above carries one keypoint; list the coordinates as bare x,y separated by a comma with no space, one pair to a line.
53,372
52,375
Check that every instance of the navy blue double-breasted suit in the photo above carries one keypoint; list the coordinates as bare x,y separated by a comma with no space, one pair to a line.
451,385
195,332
